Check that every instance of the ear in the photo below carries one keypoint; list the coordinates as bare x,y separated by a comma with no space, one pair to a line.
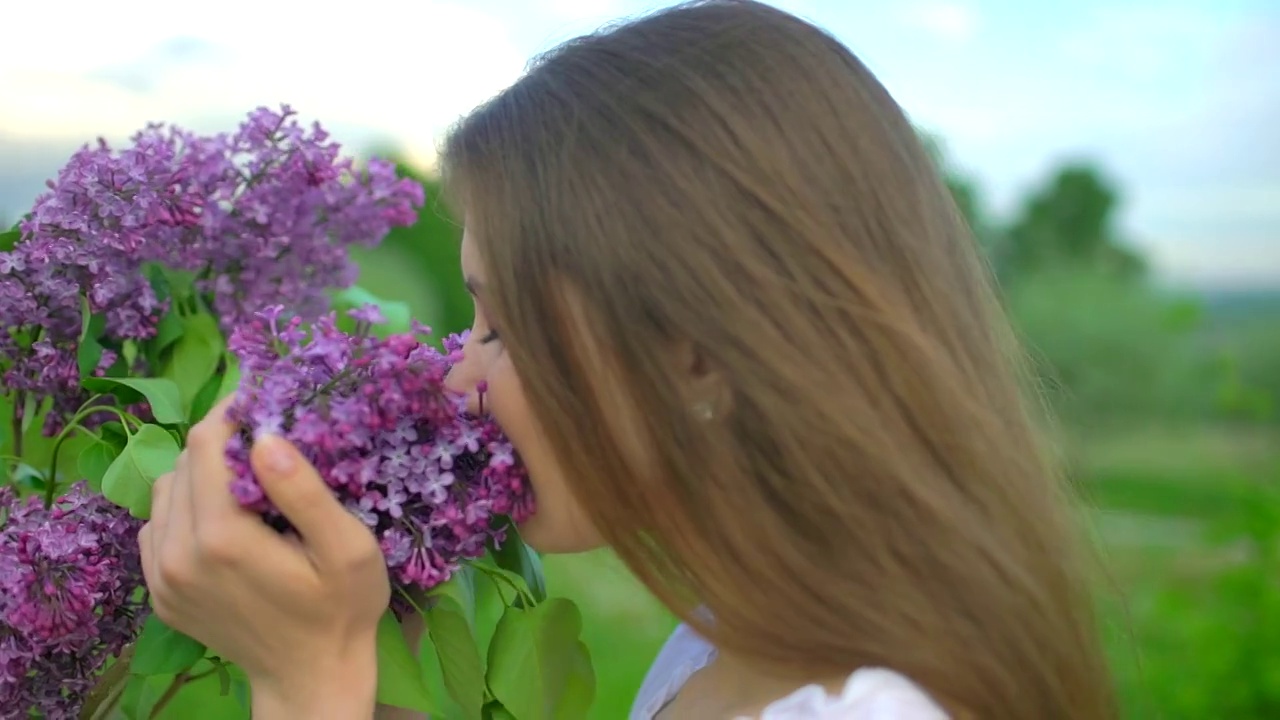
702,382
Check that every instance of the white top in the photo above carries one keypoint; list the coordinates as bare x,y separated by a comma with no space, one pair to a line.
870,693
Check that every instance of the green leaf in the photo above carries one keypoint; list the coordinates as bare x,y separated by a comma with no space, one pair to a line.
115,434
150,453
205,399
88,355
95,460
117,369
89,350
9,239
455,645
461,588
505,580
224,679
520,559
433,674
240,689
131,695
161,393
400,681
169,329
28,477
495,711
141,693
398,317
161,650
539,669
30,408
21,337
195,358
230,376
155,274
91,325
129,351
169,283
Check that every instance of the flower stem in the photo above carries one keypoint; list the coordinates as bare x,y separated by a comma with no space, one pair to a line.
51,488
104,696
18,401
72,425
171,692
523,595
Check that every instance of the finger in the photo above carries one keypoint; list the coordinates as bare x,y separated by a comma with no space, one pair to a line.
161,496
145,552
150,551
293,540
219,410
210,476
180,516
173,539
304,499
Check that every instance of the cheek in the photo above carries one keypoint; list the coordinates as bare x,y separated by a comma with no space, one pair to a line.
559,523
505,400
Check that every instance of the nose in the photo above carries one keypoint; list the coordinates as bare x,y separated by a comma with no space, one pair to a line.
464,377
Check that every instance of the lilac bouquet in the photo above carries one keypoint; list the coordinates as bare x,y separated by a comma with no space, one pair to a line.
375,419
150,282
239,221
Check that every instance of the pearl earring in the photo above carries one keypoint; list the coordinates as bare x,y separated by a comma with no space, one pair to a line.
703,411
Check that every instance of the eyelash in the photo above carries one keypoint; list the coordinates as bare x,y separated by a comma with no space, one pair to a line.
492,336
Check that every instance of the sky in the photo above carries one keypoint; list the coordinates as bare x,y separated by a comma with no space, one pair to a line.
1178,102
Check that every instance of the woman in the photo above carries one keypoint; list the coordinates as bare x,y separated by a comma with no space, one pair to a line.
728,315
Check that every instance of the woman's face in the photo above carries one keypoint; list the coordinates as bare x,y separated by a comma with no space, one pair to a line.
559,524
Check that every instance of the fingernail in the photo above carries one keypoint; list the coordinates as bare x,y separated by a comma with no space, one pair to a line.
279,456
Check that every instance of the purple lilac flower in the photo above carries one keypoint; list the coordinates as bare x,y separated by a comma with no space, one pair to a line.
374,417
261,216
70,579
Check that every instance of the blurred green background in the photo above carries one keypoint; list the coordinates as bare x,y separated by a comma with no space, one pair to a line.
1165,403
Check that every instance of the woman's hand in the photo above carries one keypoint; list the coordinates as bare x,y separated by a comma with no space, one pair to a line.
298,614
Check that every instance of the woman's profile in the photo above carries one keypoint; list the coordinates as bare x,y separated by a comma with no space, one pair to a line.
727,313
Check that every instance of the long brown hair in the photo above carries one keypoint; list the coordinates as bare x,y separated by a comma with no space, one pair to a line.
872,491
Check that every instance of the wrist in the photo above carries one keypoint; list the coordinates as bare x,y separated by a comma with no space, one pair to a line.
344,690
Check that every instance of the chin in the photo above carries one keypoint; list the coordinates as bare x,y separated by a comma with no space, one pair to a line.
547,537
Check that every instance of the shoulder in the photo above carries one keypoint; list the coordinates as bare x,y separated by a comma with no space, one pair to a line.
869,694
683,654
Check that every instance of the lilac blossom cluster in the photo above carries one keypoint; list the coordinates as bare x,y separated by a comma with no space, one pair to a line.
70,598
398,449
260,216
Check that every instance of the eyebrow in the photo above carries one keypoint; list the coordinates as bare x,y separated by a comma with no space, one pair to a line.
473,286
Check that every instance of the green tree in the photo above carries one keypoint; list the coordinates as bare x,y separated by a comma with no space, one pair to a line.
1070,221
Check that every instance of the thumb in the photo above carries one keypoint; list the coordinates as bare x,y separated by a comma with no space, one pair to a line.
301,495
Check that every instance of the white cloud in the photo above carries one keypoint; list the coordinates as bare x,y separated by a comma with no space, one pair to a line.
1243,204
1238,262
579,10
946,20
402,71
